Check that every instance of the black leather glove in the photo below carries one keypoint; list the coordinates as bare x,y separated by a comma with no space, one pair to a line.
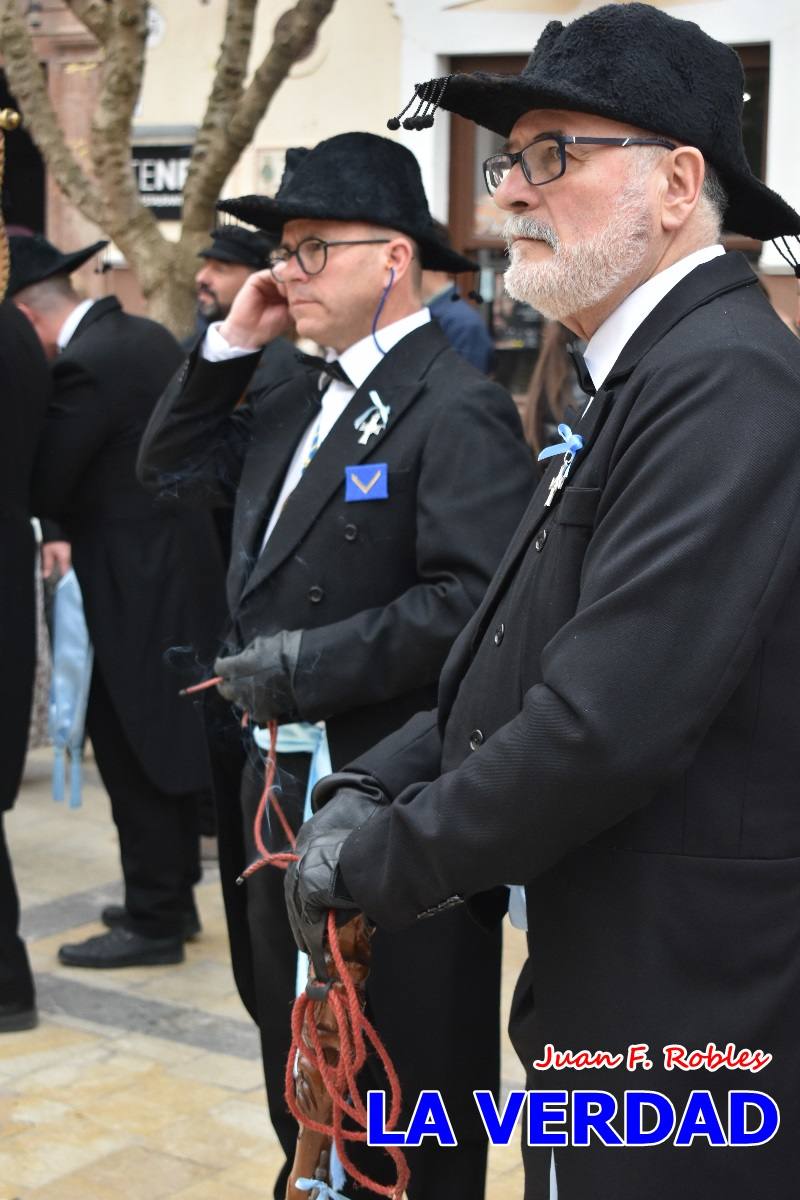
260,680
313,884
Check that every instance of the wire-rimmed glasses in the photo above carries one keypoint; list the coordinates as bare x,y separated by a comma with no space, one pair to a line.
545,158
312,253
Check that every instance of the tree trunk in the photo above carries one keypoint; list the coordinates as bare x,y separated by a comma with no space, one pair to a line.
107,196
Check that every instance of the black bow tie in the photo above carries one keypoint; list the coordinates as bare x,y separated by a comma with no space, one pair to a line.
334,370
582,371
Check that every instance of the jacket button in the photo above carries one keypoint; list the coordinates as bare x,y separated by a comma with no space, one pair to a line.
350,533
541,539
475,739
499,634
315,594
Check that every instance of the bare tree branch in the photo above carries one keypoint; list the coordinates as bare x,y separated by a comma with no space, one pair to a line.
94,14
221,152
27,82
133,227
226,94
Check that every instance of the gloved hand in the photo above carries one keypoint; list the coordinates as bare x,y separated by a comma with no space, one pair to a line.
314,884
260,680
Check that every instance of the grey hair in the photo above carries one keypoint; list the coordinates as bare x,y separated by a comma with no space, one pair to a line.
714,198
48,295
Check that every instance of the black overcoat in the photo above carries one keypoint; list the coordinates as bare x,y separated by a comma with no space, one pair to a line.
25,390
381,588
150,571
618,730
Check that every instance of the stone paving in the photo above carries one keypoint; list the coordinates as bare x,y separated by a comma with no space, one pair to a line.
143,1083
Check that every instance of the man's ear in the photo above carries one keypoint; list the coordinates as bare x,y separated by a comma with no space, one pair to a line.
26,309
399,255
685,171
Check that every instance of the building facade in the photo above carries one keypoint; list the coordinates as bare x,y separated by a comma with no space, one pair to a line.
361,70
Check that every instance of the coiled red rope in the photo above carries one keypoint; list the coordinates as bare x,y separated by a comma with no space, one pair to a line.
356,1034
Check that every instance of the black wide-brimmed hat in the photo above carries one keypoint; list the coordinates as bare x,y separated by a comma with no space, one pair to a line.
234,244
354,177
634,64
34,259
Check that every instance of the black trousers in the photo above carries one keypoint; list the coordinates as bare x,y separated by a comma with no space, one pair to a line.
158,833
16,981
437,1174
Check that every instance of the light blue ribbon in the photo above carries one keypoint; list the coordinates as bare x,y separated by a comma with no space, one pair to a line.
69,687
324,1190
573,444
301,737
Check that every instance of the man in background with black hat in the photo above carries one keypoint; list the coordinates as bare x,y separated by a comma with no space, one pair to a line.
230,258
617,725
373,497
151,580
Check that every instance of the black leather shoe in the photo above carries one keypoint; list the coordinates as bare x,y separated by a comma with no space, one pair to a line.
115,915
16,1016
121,948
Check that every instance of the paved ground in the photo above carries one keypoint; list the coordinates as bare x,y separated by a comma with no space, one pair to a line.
139,1084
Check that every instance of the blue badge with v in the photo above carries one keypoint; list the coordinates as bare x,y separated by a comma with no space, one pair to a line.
367,481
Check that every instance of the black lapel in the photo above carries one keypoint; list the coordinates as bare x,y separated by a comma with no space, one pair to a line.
711,279
100,309
536,513
276,433
398,379
722,274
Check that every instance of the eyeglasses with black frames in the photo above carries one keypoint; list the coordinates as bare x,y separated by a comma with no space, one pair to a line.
312,253
545,158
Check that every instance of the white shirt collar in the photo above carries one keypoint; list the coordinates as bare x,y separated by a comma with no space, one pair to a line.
360,360
72,322
607,342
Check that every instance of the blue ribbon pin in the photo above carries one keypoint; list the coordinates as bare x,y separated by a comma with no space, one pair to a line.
573,444
324,1190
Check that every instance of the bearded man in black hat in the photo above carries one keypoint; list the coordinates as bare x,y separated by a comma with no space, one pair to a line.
151,579
229,259
617,728
372,500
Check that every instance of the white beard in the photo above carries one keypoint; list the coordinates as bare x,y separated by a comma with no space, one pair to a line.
580,276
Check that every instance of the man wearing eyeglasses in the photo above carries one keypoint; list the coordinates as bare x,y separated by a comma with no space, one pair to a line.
373,497
617,725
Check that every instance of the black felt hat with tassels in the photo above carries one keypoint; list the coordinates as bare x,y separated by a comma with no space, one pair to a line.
635,64
355,177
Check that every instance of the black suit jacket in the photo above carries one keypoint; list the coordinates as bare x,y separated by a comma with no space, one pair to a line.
25,390
618,730
150,572
380,589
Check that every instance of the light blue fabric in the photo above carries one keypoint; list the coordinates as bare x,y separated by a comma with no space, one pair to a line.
517,907
301,737
69,687
323,1190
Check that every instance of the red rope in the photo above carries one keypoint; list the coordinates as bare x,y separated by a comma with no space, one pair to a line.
355,1032
356,1035
280,859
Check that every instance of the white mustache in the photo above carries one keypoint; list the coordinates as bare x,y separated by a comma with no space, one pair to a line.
518,226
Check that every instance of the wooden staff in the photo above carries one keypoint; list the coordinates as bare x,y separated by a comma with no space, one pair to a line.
8,120
312,1153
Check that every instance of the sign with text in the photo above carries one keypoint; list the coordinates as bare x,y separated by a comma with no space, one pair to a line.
160,173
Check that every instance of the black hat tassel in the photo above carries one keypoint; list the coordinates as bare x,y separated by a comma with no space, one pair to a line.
394,122
428,101
789,256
